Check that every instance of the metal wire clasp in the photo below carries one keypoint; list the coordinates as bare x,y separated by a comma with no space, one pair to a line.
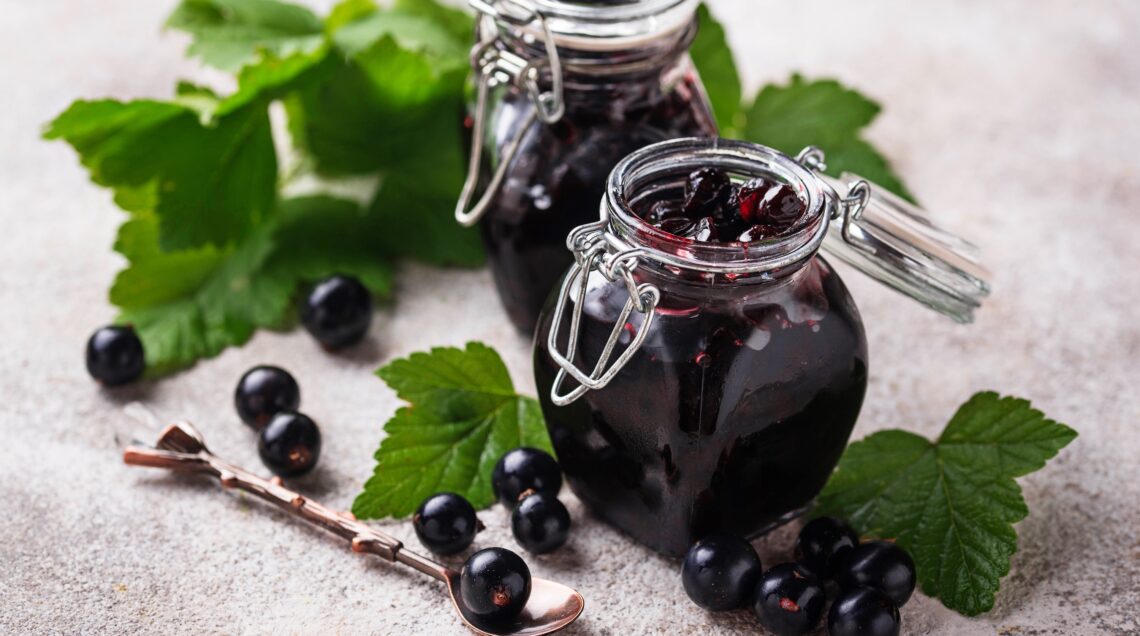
596,250
495,66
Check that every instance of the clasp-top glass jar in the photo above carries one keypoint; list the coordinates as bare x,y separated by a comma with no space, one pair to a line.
694,387
565,90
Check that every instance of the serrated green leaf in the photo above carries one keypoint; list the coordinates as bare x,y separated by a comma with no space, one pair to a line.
229,34
951,504
210,183
464,416
714,61
821,113
192,304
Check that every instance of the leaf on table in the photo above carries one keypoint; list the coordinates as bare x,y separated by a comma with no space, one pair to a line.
209,182
821,113
952,504
714,61
191,304
229,34
463,416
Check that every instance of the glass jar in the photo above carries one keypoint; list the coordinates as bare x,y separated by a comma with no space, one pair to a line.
565,90
722,381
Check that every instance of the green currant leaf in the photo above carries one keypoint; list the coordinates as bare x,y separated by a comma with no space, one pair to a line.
464,415
229,34
952,504
193,303
210,182
821,113
714,61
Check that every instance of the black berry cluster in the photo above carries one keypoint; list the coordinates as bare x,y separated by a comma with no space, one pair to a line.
714,209
875,578
289,442
527,481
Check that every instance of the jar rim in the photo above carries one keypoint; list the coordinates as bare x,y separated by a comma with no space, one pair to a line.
586,26
647,168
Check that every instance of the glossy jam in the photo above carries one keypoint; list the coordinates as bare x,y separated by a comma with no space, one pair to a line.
558,176
732,415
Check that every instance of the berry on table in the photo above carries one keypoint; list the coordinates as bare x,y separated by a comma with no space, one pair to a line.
523,469
494,585
263,392
706,190
115,355
823,543
337,312
720,572
290,444
789,600
445,523
540,523
881,565
863,612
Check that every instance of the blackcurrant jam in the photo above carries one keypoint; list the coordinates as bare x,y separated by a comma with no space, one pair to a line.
693,386
549,146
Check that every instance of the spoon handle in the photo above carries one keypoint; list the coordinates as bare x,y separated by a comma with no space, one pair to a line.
180,448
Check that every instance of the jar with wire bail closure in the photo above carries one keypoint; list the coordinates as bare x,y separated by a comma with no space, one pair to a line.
565,90
694,387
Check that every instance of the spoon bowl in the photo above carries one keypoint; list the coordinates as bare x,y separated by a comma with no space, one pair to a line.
180,447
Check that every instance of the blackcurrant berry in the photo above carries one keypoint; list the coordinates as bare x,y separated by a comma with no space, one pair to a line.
540,523
263,392
115,355
706,190
337,311
789,600
524,469
750,197
881,565
823,543
720,572
781,209
289,444
494,586
446,523
863,612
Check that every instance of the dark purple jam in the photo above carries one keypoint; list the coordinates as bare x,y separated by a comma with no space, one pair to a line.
559,175
730,417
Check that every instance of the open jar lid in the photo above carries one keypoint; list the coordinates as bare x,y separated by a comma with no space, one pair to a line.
898,244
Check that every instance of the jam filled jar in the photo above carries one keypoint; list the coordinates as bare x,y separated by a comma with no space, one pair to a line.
691,387
565,90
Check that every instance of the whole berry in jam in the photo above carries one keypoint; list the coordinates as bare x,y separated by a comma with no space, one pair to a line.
750,197
881,565
263,392
540,523
781,209
290,444
789,600
863,612
705,230
337,312
523,469
823,543
678,226
756,233
720,572
115,355
445,523
494,586
706,190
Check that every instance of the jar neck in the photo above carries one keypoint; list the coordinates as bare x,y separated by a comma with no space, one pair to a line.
659,171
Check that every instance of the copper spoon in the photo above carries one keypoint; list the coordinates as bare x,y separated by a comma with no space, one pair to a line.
551,606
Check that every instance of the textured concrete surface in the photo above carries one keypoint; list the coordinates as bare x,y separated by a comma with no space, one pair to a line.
1016,122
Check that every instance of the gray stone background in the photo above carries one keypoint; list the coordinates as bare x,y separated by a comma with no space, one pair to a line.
1016,122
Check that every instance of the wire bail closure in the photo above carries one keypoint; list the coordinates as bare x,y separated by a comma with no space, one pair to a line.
496,66
595,249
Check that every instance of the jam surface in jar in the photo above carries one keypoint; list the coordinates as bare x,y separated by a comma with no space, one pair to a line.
735,409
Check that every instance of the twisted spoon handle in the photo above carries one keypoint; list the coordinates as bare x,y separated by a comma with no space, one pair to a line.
180,448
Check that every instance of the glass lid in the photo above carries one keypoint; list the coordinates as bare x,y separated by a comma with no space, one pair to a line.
897,243
587,25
